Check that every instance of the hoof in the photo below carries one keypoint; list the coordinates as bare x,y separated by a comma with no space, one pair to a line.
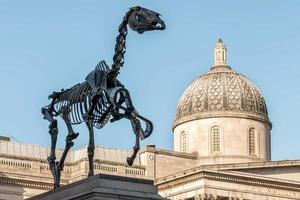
91,174
56,186
129,161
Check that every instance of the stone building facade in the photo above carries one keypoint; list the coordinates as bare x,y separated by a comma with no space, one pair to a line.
221,149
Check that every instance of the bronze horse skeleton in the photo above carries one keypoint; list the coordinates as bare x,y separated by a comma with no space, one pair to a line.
100,98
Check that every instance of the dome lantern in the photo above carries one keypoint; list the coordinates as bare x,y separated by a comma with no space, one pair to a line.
220,54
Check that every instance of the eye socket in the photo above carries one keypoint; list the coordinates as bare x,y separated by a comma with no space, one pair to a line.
140,18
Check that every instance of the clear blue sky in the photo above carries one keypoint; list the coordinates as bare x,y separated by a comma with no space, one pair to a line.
48,46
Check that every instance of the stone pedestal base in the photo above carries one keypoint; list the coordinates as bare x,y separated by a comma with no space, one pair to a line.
104,187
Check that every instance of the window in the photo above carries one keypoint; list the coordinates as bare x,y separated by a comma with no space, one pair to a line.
251,141
215,139
183,142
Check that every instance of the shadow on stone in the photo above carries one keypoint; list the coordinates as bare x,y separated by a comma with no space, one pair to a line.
9,189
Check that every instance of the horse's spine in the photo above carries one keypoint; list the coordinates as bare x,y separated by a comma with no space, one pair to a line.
118,58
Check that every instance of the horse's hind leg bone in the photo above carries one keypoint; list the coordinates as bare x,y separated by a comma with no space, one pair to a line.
71,136
132,114
136,148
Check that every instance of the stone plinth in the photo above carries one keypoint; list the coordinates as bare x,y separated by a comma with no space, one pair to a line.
104,187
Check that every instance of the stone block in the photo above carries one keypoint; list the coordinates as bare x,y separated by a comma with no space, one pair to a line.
104,187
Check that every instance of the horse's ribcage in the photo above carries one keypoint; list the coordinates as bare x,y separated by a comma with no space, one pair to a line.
78,100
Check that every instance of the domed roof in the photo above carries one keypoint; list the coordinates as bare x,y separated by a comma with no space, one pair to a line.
221,92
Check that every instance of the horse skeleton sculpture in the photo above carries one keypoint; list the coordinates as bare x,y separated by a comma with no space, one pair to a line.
100,97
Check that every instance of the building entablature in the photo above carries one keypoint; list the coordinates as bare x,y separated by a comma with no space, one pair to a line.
231,176
234,168
251,165
190,184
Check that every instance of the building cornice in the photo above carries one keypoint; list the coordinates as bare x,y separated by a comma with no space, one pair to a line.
166,183
222,114
233,166
192,156
26,183
220,156
250,165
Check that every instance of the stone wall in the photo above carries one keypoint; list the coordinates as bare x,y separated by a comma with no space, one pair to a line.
24,171
233,140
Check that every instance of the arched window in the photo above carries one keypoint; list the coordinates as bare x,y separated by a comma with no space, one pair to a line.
251,141
215,139
183,142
